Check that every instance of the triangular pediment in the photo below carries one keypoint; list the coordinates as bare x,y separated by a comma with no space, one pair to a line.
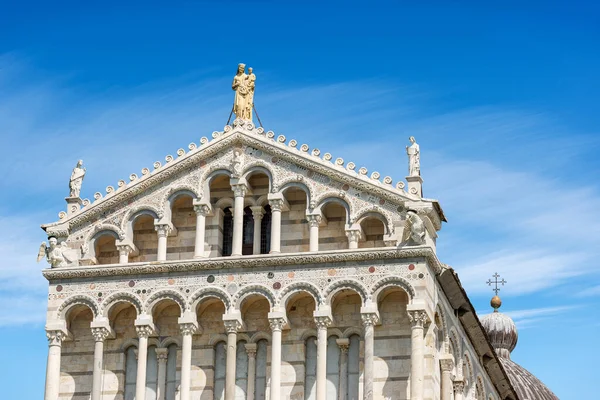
285,161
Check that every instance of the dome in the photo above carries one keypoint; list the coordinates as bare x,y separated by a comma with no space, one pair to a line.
527,386
502,332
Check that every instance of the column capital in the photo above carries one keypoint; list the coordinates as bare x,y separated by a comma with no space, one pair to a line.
343,344
276,204
202,209
232,326
100,334
354,234
251,349
277,323
144,331
163,230
369,318
418,318
257,212
446,363
55,338
459,386
323,322
239,189
314,220
188,328
162,354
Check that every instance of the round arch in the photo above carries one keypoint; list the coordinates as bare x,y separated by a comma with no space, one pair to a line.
166,294
88,248
392,281
134,213
298,185
376,215
299,287
210,292
260,290
77,300
209,175
333,198
345,284
121,297
259,167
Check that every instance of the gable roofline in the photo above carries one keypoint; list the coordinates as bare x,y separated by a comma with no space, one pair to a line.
246,133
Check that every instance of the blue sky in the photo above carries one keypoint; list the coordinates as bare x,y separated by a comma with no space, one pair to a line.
503,100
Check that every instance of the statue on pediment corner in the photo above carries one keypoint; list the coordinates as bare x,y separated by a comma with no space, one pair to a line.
76,179
56,254
414,229
414,157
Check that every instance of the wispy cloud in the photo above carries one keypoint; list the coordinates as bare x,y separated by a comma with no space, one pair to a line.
590,291
528,318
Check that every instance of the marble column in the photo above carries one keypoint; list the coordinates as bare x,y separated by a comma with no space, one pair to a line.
100,335
124,250
322,323
162,355
344,345
202,211
55,339
251,351
257,213
459,389
353,238
231,326
276,327
163,231
418,319
276,208
446,365
187,332
239,191
369,320
143,332
313,223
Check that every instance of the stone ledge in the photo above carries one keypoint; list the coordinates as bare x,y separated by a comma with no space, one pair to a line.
263,260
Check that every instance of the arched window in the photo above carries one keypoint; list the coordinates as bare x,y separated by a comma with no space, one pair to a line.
130,372
248,232
227,232
260,382
151,373
310,378
265,231
220,358
353,367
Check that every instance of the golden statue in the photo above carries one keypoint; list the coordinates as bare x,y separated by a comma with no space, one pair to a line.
243,84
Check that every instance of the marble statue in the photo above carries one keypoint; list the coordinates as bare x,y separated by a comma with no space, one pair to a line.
414,229
76,179
243,84
55,254
414,158
236,164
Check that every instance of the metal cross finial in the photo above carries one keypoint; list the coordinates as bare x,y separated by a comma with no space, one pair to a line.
495,282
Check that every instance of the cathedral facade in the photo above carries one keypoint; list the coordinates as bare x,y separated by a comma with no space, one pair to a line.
250,267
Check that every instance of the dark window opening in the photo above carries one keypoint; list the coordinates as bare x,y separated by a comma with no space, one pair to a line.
227,232
248,232
265,231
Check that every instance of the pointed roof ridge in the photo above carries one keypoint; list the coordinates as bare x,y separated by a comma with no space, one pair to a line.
248,129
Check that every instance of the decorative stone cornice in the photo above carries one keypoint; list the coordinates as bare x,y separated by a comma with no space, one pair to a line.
418,318
265,260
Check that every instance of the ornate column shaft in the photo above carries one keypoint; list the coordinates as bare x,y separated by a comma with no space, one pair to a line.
276,327
276,207
100,335
55,339
369,320
322,323
239,191
187,331
313,223
163,231
251,351
446,364
257,213
162,355
353,238
418,319
459,389
124,250
344,345
231,326
202,210
143,332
